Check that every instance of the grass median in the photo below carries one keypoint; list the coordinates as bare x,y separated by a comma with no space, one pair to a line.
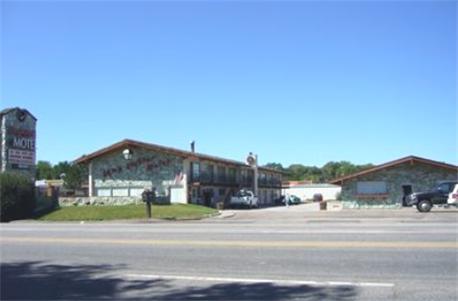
105,213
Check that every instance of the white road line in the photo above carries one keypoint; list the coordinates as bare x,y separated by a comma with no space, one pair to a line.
246,280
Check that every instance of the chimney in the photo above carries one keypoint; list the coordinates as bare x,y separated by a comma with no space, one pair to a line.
193,146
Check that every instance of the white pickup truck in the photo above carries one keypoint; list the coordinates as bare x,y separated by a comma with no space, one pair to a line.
244,198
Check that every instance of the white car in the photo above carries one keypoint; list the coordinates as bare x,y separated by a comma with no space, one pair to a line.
453,196
244,198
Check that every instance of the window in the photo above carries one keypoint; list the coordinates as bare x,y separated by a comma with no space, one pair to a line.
371,187
207,173
103,192
250,177
221,174
445,187
262,179
232,175
243,176
222,192
120,192
195,171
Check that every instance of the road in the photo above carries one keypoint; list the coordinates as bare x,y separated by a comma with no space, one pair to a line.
270,254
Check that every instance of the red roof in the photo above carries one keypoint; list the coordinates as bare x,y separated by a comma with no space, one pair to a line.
409,159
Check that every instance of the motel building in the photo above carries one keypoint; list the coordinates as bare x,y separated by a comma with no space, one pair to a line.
118,174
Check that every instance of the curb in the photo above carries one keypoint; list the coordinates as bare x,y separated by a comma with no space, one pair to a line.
225,214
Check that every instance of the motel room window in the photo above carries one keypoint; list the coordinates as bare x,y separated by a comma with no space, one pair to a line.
221,174
250,177
207,173
195,166
243,176
373,187
263,178
232,175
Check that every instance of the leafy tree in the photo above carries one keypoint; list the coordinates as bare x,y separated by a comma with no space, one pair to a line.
329,171
276,166
72,174
61,169
44,171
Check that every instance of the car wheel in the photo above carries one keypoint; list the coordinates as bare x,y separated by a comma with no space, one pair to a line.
424,206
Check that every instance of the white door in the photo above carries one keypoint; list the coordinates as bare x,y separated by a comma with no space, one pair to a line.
177,195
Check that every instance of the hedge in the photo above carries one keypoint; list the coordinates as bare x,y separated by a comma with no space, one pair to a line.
17,197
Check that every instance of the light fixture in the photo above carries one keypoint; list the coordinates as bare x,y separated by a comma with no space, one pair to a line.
127,153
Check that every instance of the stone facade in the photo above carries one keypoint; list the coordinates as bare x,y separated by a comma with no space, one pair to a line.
97,201
17,145
419,176
114,176
178,176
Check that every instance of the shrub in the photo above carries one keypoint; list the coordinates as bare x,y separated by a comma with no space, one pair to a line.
17,197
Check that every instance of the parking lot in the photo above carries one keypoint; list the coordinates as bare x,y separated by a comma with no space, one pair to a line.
308,212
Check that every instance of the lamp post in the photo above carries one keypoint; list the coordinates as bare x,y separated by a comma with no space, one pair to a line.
252,160
127,154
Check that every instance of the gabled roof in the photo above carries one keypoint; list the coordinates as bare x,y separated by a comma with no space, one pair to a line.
409,159
9,110
126,143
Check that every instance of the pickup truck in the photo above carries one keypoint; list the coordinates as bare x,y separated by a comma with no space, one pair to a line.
424,201
244,198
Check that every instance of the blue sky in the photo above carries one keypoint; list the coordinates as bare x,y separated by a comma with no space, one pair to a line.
295,82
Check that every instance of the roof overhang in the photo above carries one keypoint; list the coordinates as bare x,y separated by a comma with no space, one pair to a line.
128,143
411,159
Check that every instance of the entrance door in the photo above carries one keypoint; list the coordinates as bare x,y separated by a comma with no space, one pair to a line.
406,191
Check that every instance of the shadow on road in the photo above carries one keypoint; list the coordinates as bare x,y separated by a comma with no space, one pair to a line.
40,281
262,291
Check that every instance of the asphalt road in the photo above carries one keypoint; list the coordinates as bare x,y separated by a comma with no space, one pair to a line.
270,254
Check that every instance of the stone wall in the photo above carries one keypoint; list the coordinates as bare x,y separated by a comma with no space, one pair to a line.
105,201
421,176
114,176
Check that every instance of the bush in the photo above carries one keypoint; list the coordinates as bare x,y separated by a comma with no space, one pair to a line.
17,197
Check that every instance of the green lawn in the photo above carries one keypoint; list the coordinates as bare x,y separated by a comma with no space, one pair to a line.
99,213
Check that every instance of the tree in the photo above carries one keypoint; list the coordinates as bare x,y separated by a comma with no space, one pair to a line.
296,172
276,166
73,174
44,171
329,171
60,169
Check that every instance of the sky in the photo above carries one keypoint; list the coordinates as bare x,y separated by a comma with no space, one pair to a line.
293,81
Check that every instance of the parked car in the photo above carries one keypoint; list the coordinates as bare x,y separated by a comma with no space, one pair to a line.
424,201
244,198
291,199
453,196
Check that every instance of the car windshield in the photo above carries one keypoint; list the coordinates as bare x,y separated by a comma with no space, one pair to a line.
241,194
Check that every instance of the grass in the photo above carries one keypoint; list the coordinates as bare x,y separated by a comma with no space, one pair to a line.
104,213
